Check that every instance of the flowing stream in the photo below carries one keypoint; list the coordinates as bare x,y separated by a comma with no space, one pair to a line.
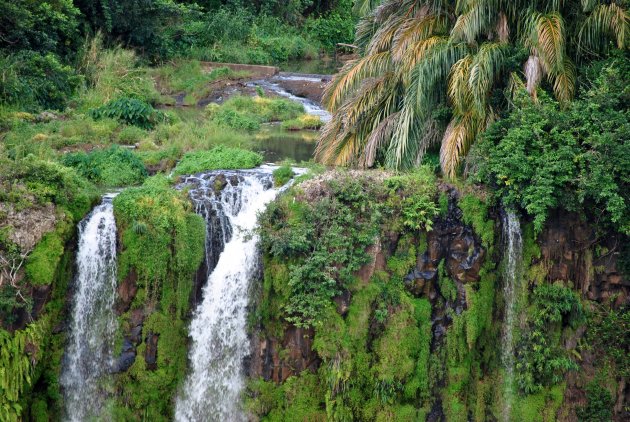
512,279
230,201
88,353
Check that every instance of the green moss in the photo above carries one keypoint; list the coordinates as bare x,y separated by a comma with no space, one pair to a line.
44,259
541,406
475,214
443,202
447,286
405,257
219,158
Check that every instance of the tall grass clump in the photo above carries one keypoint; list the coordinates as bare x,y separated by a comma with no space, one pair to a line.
112,73
219,158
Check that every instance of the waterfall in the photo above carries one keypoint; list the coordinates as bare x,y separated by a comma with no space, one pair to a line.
88,354
230,202
512,278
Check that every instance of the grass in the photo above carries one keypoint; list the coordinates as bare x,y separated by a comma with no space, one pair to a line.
189,77
248,113
303,122
218,158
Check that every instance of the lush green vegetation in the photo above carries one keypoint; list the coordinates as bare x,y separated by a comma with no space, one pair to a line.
80,79
541,157
247,113
434,71
112,167
162,247
216,159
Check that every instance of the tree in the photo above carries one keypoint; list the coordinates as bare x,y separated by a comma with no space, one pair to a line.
419,59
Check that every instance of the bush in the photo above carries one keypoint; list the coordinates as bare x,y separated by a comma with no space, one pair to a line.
34,81
282,175
130,111
130,135
599,406
541,361
112,167
42,182
541,157
219,158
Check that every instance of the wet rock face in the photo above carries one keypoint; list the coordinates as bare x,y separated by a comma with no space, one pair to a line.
567,250
457,245
278,359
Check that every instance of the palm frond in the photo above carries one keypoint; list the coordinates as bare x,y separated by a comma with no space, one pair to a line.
476,17
457,87
606,20
384,36
486,66
378,138
363,7
457,139
546,38
564,82
414,31
351,75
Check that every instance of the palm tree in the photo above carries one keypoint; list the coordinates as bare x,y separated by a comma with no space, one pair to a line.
418,56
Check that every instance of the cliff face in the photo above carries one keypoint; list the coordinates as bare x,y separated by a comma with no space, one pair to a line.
456,267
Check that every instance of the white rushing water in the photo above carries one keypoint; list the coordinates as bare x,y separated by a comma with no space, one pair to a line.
512,280
212,389
88,353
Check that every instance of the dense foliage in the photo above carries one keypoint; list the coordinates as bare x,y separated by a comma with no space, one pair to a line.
112,167
432,72
130,111
541,157
162,247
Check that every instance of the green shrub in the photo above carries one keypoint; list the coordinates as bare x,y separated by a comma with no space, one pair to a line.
130,111
325,241
599,406
130,135
218,158
541,157
282,175
46,182
541,361
112,167
35,81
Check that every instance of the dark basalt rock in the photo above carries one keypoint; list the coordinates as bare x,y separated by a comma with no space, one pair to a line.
151,351
127,357
278,359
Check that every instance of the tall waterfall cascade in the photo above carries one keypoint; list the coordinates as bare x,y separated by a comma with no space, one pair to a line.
88,352
230,202
513,258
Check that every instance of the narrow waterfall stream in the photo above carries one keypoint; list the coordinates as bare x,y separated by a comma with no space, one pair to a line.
512,280
230,201
88,354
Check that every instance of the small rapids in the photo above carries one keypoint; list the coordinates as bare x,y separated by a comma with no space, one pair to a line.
88,356
230,202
